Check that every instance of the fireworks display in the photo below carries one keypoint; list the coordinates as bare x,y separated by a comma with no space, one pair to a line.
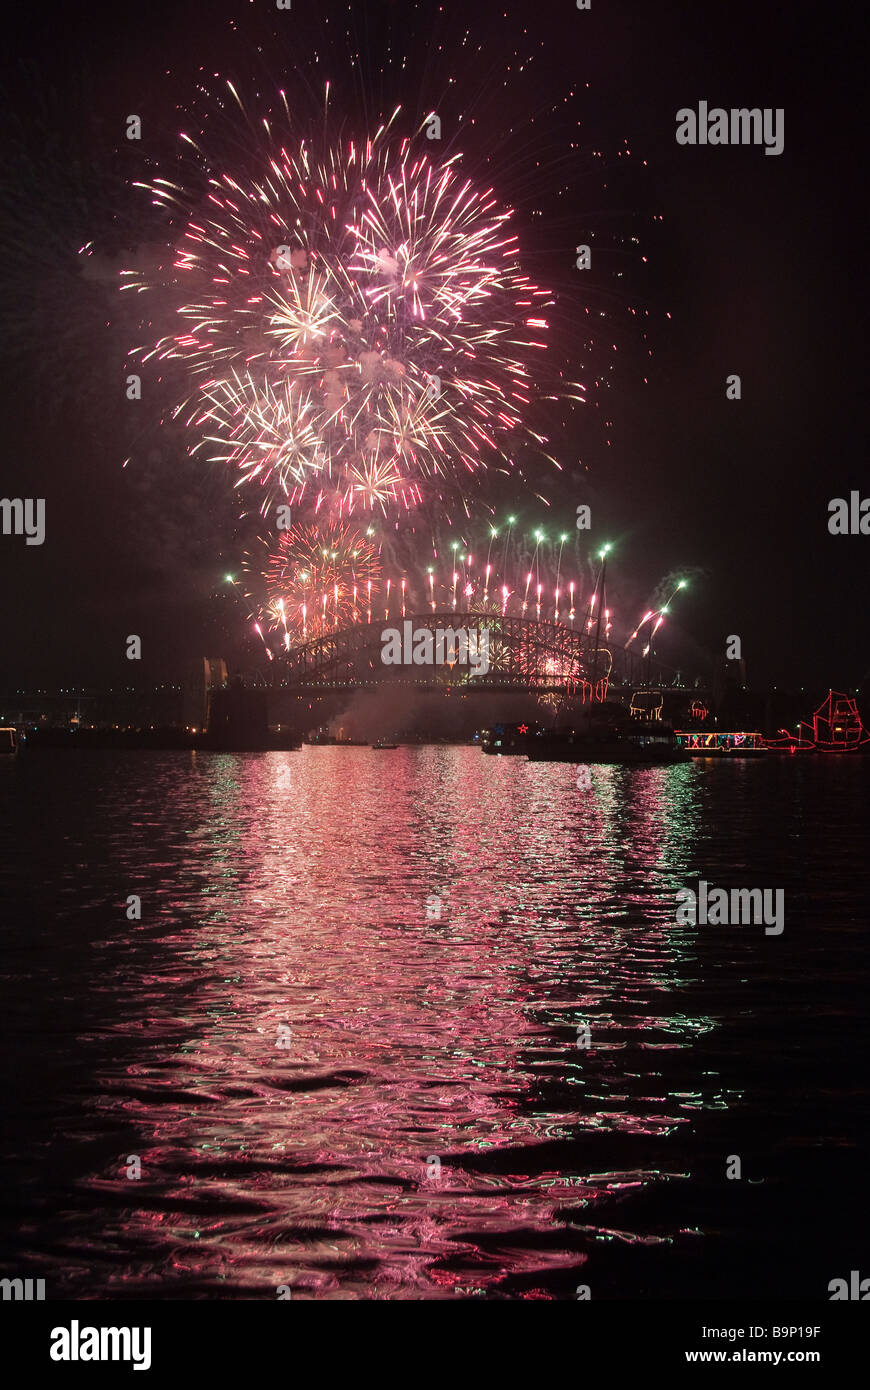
356,341
357,344
435,707
320,577
355,326
313,580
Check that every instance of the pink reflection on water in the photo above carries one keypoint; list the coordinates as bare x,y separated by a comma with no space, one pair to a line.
329,1041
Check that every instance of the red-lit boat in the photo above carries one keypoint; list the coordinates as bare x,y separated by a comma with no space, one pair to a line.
836,728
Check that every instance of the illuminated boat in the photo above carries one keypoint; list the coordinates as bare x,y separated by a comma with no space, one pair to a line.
625,741
836,728
606,736
703,743
507,739
324,740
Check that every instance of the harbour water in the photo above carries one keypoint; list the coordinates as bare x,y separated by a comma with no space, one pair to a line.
423,1024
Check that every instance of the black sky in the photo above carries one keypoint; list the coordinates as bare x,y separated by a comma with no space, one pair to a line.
757,260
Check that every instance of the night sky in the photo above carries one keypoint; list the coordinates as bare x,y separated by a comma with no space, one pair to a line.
752,266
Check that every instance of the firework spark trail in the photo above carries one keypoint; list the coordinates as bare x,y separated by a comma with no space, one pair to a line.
659,613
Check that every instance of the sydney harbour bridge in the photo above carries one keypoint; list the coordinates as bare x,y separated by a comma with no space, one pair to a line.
527,655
